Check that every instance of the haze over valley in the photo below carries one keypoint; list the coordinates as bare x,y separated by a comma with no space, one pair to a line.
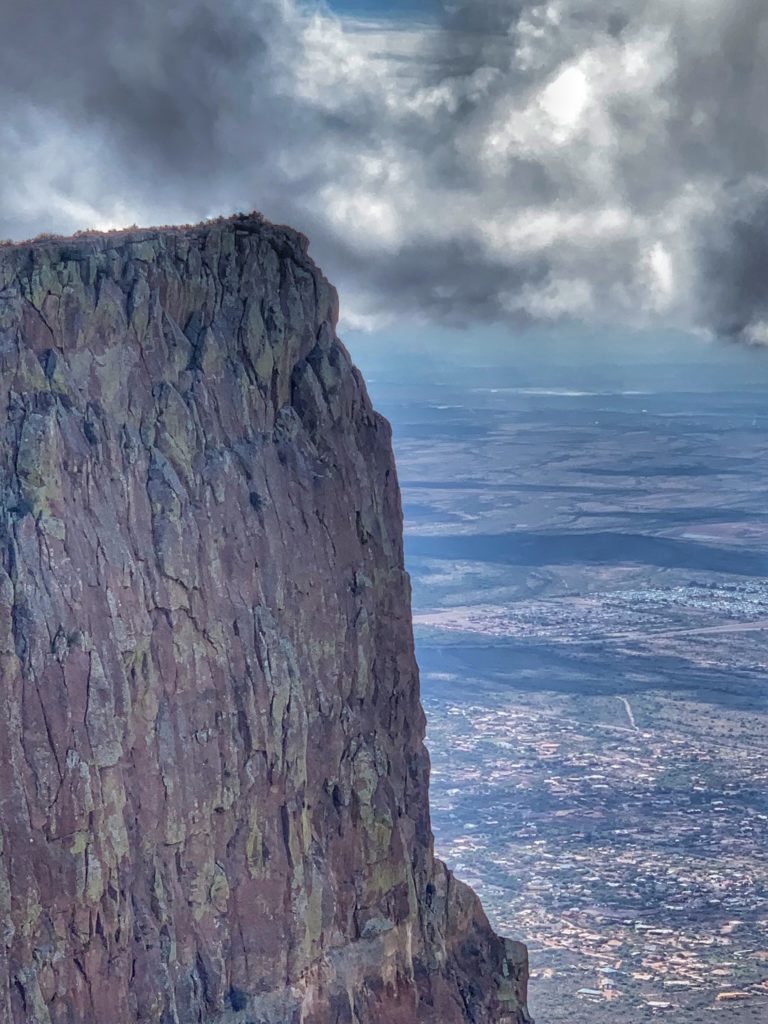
588,540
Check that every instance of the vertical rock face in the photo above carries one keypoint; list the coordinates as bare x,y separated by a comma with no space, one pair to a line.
213,784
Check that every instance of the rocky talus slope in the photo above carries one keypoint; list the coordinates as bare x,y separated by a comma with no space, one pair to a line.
213,783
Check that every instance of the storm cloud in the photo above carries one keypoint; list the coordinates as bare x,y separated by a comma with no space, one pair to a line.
594,160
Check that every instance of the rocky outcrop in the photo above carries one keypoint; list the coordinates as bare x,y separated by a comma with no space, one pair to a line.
213,784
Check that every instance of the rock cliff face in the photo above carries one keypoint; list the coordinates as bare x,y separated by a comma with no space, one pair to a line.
213,784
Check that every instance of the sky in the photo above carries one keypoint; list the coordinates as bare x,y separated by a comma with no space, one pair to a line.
502,162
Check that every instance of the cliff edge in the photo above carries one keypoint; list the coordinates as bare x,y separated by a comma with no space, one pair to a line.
213,782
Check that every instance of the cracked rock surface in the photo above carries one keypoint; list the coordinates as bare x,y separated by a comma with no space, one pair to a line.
213,783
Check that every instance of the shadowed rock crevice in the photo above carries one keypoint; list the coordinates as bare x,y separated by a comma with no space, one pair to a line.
213,789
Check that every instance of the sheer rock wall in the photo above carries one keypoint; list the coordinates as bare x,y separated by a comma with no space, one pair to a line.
213,783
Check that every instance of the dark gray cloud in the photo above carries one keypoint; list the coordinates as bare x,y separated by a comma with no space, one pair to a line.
734,265
599,160
146,107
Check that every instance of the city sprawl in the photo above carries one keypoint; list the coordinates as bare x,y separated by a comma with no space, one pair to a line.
590,568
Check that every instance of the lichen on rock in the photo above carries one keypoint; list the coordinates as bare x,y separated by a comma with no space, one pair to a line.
213,783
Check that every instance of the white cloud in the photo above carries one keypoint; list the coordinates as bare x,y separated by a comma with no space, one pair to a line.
661,285
541,160
565,100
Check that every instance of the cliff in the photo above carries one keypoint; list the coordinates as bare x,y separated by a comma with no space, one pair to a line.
213,784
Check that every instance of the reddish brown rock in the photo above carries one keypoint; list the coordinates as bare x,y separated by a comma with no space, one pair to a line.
213,785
